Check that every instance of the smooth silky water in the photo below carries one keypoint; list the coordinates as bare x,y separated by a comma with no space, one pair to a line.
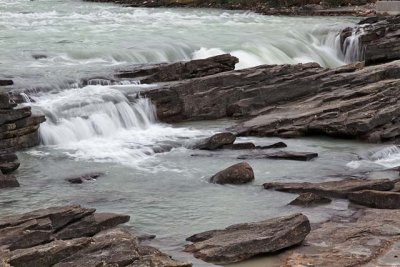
96,129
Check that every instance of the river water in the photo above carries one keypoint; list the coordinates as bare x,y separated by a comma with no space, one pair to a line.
96,128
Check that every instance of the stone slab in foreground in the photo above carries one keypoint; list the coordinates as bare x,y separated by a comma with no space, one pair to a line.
243,241
339,189
74,236
376,199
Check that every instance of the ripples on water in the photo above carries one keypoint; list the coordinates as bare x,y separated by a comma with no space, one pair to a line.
95,128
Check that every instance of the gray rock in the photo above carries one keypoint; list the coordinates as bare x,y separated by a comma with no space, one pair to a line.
216,141
340,189
310,199
240,173
287,155
376,199
243,241
8,181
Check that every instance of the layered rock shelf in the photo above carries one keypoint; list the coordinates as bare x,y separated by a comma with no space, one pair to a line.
74,236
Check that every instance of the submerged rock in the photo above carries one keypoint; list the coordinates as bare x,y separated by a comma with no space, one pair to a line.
288,155
243,241
84,177
239,146
8,181
340,189
310,199
240,173
74,236
216,141
376,199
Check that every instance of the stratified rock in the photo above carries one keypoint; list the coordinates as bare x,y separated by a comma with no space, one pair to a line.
180,70
288,155
73,236
369,238
340,189
376,199
240,173
310,199
48,254
216,141
84,177
243,241
8,181
378,39
115,246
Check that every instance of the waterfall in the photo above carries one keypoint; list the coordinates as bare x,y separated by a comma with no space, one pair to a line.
351,46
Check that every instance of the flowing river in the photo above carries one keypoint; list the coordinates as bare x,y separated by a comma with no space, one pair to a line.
47,46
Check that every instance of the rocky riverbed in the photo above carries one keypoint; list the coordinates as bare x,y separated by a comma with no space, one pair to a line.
358,101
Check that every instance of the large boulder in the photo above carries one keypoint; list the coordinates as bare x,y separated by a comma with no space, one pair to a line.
376,199
240,173
243,241
340,189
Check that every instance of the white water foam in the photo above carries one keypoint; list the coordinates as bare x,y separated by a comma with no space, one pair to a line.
98,123
388,157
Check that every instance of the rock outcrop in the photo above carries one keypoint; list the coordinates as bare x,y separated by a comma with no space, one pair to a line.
367,238
18,126
74,236
243,241
339,189
378,39
240,173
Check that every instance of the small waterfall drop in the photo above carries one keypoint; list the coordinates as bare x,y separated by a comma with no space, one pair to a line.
351,47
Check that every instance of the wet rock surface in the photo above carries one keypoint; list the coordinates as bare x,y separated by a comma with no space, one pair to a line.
74,236
339,189
379,39
84,177
243,241
367,238
216,141
310,199
287,155
376,199
240,173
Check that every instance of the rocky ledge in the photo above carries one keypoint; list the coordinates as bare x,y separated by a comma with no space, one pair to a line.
74,236
378,39
18,130
243,241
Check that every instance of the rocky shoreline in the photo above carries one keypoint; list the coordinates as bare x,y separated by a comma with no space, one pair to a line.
357,101
273,8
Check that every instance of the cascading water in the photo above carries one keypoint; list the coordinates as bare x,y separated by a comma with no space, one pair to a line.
99,123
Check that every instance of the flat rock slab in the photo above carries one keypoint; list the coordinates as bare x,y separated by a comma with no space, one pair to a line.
240,173
310,199
367,238
74,236
287,155
376,199
243,241
339,189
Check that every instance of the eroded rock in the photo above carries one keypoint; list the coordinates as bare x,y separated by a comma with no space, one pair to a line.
240,173
376,199
216,141
310,199
243,241
339,189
